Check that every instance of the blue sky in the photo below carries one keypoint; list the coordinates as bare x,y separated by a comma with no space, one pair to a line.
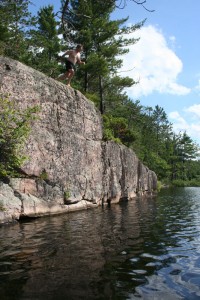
166,60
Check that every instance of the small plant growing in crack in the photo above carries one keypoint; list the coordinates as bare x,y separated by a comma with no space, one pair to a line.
43,175
66,195
2,208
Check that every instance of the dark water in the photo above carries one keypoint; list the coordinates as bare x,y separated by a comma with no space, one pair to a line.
141,249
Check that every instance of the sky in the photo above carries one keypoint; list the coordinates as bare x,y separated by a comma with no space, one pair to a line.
166,59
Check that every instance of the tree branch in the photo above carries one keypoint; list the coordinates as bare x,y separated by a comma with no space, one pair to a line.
122,4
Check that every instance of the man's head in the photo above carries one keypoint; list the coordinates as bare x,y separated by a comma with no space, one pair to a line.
79,48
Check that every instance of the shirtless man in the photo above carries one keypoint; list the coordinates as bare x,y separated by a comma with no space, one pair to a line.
73,58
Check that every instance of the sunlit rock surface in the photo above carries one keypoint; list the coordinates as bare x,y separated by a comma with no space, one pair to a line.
69,167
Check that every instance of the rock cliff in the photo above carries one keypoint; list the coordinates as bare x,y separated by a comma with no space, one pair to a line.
69,167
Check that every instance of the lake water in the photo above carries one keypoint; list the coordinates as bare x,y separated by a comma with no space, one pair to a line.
140,249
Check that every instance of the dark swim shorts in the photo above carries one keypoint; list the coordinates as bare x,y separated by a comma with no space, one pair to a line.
69,65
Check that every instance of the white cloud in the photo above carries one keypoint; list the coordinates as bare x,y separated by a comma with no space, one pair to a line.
194,109
194,132
153,64
197,88
172,39
181,125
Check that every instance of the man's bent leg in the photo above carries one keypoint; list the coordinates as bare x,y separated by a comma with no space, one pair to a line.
63,76
71,74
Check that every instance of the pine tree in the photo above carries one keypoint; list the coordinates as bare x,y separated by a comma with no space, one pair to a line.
185,150
46,43
103,41
15,22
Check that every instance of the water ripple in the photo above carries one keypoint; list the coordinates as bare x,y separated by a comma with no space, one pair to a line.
141,249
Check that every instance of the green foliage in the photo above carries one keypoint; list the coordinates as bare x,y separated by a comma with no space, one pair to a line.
109,136
2,208
186,183
15,126
67,195
92,97
15,24
145,129
157,163
116,128
44,175
103,41
46,43
159,185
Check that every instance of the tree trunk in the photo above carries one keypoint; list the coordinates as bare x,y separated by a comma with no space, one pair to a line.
101,95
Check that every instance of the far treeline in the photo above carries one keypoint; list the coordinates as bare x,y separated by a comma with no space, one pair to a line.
38,41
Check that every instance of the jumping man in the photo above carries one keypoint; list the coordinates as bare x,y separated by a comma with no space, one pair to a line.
73,58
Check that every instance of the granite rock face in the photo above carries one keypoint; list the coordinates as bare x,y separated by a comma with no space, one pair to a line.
69,166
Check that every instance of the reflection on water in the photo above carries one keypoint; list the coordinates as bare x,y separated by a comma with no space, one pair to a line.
141,249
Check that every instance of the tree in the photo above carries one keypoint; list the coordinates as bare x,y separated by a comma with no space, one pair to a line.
145,129
15,126
4,35
115,4
46,43
123,3
104,41
116,128
187,151
17,21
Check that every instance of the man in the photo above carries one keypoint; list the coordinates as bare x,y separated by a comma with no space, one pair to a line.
73,58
